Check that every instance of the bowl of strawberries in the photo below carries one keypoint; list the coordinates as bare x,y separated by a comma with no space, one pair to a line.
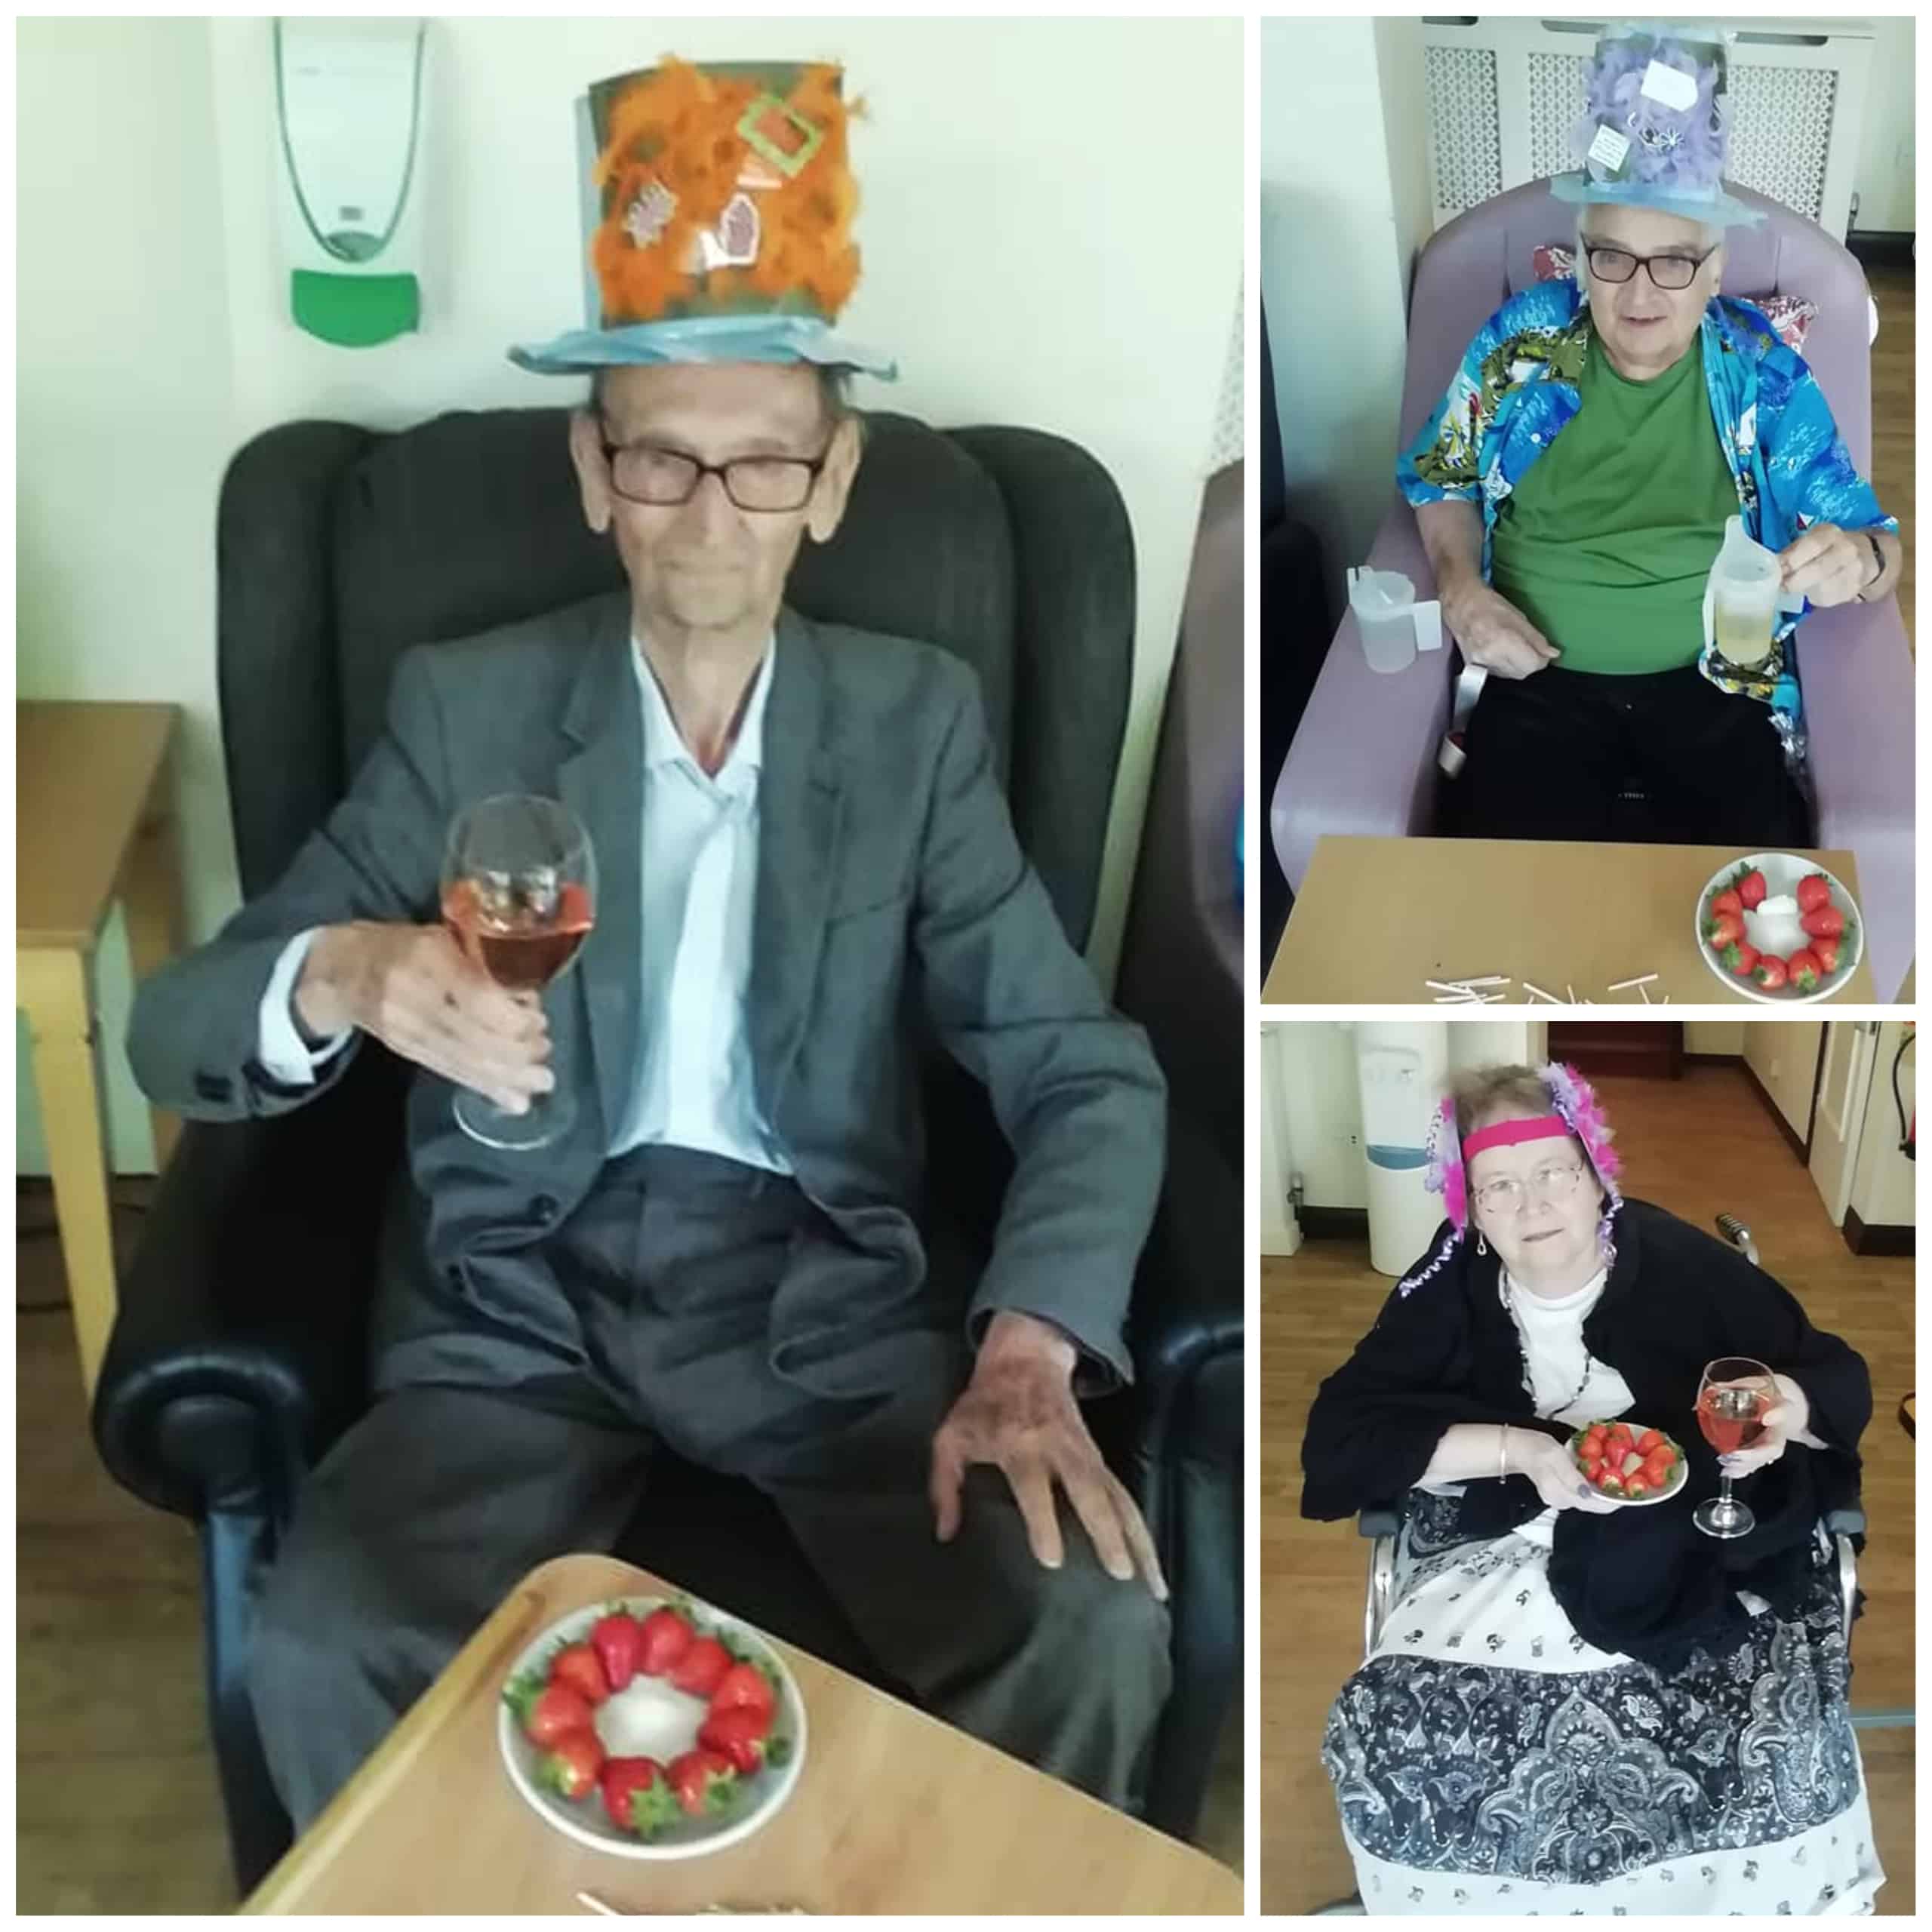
1624,1460
652,1727
1779,929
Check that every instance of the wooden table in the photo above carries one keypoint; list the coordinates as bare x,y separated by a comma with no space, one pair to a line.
893,1812
94,824
1377,917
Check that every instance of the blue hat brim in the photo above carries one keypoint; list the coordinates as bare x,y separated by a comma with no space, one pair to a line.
1720,210
763,338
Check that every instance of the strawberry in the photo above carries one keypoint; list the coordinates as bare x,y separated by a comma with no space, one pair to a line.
547,1711
1825,952
571,1765
1741,959
739,1735
1726,901
1635,1487
665,1638
704,1781
577,1665
1649,1442
1813,890
1826,922
638,1795
1726,930
702,1667
744,1687
1612,1485
1751,888
1771,972
1803,967
618,1639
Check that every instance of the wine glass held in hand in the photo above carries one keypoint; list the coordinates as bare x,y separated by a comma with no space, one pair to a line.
519,898
1732,1398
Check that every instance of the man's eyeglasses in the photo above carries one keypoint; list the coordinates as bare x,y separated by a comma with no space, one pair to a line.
664,479
1671,272
1556,1182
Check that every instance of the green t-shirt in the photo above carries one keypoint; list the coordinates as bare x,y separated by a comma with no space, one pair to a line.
1606,542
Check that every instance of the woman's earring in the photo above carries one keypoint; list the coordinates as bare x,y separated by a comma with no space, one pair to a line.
1482,1246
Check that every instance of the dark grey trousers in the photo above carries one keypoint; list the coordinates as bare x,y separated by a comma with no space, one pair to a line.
427,1511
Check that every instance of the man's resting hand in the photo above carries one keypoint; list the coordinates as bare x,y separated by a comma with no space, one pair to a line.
1492,631
414,989
1018,1411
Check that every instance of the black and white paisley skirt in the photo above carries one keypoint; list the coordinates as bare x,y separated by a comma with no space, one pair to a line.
1486,1759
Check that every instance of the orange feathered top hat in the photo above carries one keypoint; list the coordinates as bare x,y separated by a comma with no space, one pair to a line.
718,221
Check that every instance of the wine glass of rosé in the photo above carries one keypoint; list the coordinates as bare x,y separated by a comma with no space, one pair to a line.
1731,1401
519,892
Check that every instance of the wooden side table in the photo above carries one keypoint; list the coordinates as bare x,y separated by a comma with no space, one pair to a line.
94,824
894,1812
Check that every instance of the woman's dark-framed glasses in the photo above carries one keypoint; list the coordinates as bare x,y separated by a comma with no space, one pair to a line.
1671,272
643,473
1556,1182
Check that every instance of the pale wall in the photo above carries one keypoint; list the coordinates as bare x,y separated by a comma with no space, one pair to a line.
123,425
1344,208
1785,1058
1020,276
1884,178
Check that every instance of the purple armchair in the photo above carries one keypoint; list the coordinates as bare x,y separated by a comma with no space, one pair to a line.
1364,759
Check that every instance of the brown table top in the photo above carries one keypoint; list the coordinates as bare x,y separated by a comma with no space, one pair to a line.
1377,917
83,773
892,1812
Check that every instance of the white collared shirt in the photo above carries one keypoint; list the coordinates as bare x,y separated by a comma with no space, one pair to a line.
693,1085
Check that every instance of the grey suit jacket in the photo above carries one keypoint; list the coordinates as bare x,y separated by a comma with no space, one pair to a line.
890,881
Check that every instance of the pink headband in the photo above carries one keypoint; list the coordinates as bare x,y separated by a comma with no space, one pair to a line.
1509,1132
1576,1110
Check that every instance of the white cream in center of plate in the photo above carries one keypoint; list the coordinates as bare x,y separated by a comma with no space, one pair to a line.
648,1718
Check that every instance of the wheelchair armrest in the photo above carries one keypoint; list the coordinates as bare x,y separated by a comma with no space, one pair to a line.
1845,1522
238,1347
1382,1519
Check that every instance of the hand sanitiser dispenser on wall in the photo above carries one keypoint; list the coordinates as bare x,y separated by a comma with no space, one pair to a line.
348,103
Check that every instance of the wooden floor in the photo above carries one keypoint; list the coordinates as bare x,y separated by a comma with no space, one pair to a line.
118,1810
1894,391
1696,1147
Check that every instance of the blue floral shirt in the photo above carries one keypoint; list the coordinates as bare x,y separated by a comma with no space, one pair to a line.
1518,386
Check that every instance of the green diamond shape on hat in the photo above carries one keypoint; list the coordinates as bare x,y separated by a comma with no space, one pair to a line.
775,131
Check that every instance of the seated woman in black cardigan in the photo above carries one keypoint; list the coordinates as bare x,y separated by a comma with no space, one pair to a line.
1576,1704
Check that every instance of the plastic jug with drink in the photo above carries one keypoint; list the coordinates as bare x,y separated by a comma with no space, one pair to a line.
1393,626
1744,596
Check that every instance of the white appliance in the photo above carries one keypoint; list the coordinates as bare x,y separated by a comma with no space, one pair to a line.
1401,1070
348,112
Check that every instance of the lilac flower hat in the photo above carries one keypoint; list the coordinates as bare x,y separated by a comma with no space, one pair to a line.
1658,127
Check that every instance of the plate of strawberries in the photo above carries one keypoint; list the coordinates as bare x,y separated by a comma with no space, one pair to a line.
653,1727
1631,1463
1779,929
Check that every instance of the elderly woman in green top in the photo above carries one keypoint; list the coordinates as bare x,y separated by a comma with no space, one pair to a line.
1572,491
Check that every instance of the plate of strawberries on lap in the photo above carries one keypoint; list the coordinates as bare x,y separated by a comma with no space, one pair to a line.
652,1727
1628,1462
1779,929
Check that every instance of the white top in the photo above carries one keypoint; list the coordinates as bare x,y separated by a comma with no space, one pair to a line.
1552,1332
699,858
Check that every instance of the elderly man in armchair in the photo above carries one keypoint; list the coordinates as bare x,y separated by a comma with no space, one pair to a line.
1574,488
807,870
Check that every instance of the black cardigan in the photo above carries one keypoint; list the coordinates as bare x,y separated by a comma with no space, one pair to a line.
1642,1583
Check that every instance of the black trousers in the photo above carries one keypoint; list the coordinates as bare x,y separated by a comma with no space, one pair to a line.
1549,756
431,1506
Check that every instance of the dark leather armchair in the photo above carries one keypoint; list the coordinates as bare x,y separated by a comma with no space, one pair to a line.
240,1351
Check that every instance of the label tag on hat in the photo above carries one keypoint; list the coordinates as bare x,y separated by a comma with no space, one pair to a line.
1677,90
1609,148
